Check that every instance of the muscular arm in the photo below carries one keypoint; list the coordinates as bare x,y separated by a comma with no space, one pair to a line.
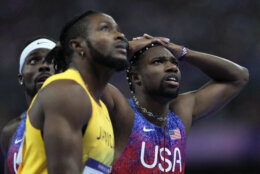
227,79
122,117
66,108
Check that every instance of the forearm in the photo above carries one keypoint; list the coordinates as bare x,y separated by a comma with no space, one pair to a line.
217,68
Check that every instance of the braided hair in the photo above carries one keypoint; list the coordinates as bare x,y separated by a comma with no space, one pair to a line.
133,64
62,53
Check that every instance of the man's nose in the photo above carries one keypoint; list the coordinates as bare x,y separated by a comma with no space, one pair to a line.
120,35
44,66
171,67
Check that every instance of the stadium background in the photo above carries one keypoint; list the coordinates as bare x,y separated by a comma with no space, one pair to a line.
227,142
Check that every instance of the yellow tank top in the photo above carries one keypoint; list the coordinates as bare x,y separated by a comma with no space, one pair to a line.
98,139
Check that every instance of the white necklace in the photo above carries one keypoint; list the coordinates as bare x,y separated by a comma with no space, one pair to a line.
148,113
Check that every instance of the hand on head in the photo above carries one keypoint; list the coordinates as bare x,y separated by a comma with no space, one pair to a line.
139,42
147,36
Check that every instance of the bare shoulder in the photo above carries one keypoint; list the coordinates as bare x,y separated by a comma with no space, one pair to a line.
65,98
68,98
66,109
114,99
183,107
183,102
8,132
119,109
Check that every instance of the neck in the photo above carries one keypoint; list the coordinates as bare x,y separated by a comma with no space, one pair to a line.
94,75
28,98
156,106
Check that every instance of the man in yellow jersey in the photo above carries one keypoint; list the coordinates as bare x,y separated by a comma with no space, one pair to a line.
33,71
68,126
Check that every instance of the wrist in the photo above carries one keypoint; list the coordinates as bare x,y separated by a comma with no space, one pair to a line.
184,52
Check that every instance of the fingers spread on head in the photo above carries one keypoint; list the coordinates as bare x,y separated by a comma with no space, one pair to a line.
158,41
165,39
138,38
147,36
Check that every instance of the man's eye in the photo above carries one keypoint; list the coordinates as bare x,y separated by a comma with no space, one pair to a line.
175,63
157,62
32,61
105,28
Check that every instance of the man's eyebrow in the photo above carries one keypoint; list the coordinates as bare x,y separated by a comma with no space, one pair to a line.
112,24
34,54
106,22
159,57
171,58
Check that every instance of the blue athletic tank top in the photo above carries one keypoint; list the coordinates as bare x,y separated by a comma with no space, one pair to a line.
148,144
14,156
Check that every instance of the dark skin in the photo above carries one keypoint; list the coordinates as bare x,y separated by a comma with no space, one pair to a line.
65,102
121,113
35,71
152,74
122,117
158,95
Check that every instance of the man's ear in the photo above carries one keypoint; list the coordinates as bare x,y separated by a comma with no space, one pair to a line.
20,79
135,78
77,44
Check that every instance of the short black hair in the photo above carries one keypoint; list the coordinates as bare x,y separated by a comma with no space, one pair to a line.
61,54
73,29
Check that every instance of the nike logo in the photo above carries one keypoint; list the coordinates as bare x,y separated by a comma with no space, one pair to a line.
147,130
18,141
38,43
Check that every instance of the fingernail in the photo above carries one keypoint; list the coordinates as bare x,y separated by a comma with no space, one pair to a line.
167,40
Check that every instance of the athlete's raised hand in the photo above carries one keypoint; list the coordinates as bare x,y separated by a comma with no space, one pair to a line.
177,50
137,44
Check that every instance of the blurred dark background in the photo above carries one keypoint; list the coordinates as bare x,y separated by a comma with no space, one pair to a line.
227,142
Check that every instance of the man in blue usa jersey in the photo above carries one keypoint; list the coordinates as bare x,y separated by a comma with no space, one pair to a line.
33,71
163,119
